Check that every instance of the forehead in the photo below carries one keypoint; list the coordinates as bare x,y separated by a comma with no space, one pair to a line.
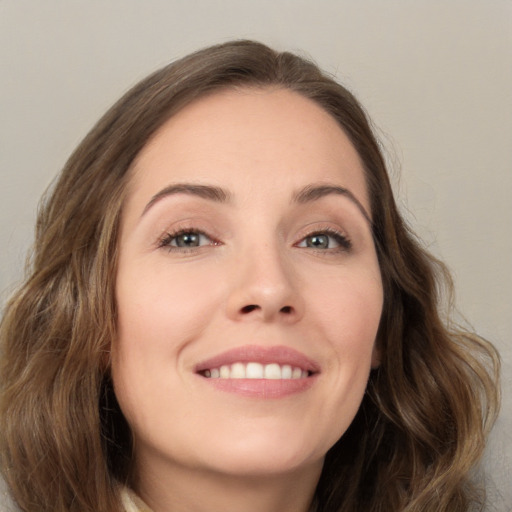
257,136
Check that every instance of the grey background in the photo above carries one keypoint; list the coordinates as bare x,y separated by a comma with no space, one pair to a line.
435,76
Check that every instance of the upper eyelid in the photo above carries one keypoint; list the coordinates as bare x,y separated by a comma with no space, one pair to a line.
185,227
345,240
322,227
170,234
221,233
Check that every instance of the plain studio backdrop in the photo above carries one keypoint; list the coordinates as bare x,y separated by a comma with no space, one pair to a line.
435,76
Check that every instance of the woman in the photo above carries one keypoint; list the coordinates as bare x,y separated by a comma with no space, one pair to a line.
225,311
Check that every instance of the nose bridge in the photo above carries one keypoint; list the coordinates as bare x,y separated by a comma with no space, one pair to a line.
264,283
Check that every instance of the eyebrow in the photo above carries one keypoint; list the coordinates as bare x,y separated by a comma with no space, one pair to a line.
315,192
210,192
307,194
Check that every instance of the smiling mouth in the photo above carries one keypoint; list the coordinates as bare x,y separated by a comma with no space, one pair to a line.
255,370
259,372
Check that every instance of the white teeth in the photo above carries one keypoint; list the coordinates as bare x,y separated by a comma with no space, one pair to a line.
296,373
272,371
238,371
286,371
252,370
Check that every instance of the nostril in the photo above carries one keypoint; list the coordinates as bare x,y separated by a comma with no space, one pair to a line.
249,308
286,309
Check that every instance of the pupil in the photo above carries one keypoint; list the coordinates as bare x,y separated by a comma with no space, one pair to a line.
188,240
319,241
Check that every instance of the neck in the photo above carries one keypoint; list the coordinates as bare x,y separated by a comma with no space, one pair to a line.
190,490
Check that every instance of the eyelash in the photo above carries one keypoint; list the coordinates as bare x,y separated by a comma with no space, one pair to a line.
168,238
344,243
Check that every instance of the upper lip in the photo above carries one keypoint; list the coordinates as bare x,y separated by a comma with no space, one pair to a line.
279,354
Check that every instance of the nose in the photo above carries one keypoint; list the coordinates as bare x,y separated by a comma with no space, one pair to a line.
264,288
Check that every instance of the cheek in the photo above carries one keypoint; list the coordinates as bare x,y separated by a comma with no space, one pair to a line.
347,313
163,304
159,313
349,308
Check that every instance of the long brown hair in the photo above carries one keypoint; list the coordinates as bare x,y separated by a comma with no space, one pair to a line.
64,444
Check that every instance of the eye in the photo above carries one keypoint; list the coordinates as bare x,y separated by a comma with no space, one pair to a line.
325,240
186,239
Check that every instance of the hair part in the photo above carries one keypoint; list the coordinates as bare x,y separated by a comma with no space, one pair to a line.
64,444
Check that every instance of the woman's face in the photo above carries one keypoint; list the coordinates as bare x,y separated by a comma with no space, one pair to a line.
248,290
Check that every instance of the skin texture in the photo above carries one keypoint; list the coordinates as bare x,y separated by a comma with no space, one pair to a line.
254,279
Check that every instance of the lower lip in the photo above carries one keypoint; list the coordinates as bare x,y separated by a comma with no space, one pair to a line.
262,388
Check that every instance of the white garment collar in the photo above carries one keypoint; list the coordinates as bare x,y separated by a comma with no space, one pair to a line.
131,502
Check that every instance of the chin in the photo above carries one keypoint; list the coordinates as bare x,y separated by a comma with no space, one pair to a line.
265,454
